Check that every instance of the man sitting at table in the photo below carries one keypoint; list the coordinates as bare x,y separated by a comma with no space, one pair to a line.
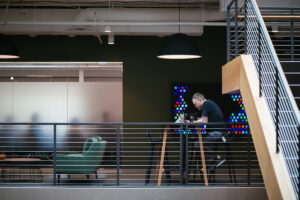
211,112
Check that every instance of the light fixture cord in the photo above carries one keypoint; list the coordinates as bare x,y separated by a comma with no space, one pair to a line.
179,17
5,13
109,10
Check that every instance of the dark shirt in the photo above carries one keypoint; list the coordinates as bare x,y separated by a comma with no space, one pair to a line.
211,110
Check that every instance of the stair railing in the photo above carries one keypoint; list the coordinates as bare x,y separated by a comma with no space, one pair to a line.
247,34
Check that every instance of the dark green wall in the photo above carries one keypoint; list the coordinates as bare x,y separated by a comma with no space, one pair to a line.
146,78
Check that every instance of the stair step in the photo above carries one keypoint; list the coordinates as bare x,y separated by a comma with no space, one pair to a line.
291,66
293,78
295,90
292,73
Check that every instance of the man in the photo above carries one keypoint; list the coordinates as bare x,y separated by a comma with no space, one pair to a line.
211,112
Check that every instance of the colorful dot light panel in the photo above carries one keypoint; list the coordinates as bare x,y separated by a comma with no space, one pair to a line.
180,106
239,118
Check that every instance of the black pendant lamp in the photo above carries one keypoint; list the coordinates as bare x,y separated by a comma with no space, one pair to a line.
179,46
7,48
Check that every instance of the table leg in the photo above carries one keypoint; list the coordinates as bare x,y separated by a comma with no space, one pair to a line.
162,156
203,158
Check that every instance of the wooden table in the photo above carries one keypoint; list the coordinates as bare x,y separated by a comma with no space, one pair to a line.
163,151
21,170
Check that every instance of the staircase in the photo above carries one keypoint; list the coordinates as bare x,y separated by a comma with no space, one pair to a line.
285,36
240,74
254,70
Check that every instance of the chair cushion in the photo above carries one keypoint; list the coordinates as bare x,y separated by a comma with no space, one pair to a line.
88,143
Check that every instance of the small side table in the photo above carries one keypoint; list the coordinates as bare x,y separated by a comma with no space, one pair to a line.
21,170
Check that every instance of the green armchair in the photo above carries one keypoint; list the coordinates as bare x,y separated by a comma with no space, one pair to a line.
88,162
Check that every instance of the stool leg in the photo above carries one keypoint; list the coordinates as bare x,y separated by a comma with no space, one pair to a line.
212,175
167,168
194,161
232,169
149,168
2,174
40,172
199,164
230,164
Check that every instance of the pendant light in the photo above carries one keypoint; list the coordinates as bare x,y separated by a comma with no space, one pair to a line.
179,46
7,48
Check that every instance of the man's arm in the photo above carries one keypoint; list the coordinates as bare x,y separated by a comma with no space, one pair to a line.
205,111
204,119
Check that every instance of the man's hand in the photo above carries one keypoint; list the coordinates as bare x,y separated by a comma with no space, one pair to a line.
204,119
199,120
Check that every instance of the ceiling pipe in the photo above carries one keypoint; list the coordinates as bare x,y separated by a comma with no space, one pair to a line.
116,23
124,21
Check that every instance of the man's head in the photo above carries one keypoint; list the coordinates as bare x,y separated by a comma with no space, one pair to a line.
198,100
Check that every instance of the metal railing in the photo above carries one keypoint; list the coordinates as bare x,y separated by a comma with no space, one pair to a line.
283,25
247,34
73,154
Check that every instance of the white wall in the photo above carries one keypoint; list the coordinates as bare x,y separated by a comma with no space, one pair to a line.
61,102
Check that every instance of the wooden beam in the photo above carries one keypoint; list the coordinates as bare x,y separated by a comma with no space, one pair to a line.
230,80
274,170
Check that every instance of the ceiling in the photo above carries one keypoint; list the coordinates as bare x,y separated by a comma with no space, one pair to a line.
124,17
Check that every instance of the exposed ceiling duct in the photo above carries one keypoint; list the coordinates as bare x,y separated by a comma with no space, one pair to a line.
126,17
114,3
123,21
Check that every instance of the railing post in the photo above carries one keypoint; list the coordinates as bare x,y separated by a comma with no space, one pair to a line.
248,159
54,154
277,107
236,28
118,155
181,155
228,33
186,154
259,58
292,37
246,15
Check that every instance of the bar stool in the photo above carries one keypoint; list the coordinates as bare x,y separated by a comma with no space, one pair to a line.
231,170
196,162
153,142
212,171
